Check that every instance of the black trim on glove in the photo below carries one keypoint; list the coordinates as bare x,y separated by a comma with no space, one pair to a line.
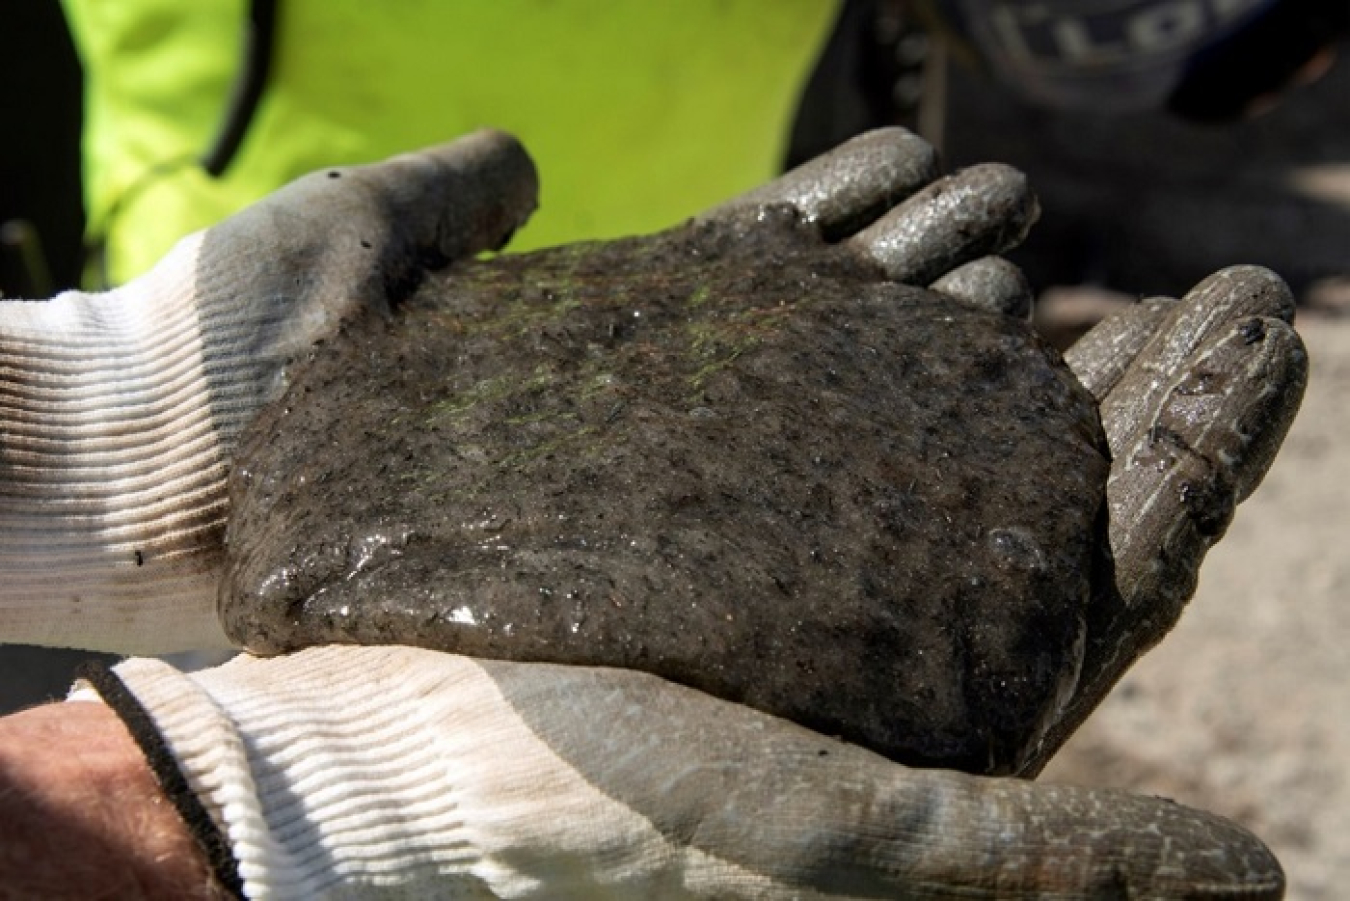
171,779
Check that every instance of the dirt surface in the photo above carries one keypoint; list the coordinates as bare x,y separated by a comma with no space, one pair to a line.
729,455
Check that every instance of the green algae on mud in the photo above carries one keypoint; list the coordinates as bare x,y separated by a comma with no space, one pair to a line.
728,455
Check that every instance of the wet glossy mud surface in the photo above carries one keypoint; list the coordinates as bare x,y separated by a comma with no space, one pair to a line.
725,455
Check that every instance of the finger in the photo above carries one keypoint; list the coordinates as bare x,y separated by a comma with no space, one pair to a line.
851,185
1226,297
290,267
1101,357
679,794
1213,435
989,282
1175,481
986,209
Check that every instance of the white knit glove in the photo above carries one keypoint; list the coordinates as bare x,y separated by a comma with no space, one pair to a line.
119,411
390,772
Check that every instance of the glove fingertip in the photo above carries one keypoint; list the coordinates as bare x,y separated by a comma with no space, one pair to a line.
851,185
983,210
1101,357
991,283
1243,290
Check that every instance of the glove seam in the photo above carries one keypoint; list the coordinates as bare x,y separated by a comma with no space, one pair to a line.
172,781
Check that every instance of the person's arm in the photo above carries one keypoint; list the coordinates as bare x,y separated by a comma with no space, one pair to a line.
82,816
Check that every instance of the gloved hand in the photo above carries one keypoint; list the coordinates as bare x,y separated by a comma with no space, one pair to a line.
377,772
833,840
119,412
1196,396
584,484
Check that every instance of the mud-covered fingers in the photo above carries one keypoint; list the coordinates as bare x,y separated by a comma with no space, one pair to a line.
1212,436
880,189
844,189
1102,356
1173,489
989,282
976,212
1211,307
1193,425
1212,430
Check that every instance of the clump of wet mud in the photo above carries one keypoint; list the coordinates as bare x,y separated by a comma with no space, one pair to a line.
727,455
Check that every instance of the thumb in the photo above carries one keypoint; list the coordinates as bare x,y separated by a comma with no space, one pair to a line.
119,412
355,236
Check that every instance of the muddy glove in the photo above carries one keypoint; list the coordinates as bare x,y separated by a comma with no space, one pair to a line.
749,460
1196,396
346,772
119,412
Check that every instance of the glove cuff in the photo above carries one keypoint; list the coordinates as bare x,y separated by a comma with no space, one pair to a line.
342,772
112,468
217,748
356,772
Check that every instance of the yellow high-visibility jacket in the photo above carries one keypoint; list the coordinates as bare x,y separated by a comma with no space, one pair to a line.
638,113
